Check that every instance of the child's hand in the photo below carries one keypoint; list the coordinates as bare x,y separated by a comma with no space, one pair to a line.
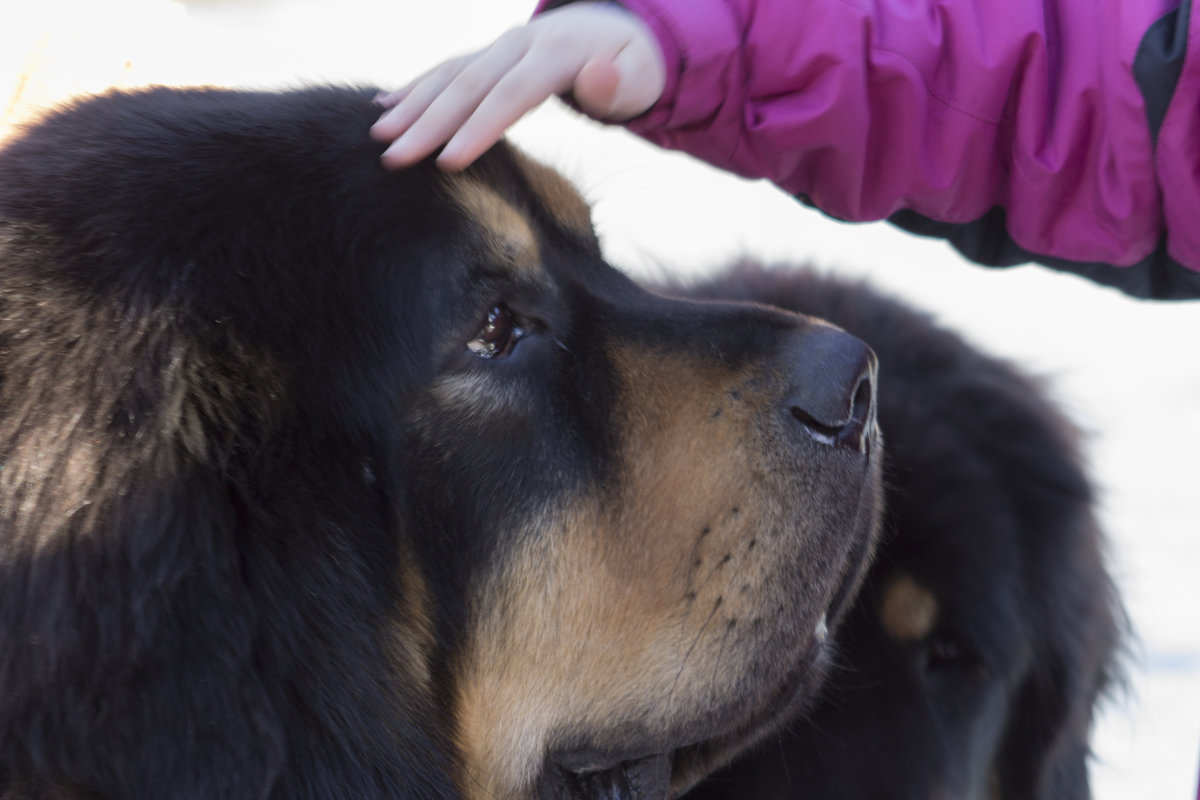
604,55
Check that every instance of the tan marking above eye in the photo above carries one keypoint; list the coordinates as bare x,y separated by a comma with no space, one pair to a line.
557,195
908,611
506,233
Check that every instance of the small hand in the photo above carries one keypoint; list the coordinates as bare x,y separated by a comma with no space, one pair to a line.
604,55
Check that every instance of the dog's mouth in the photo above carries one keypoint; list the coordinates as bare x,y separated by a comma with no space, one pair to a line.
646,778
588,775
669,774
655,772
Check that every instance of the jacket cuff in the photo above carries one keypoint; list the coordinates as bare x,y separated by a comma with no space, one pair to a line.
699,46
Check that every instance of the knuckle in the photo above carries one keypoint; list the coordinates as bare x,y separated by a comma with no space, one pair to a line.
470,84
513,37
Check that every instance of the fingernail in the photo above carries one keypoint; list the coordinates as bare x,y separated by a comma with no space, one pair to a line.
387,99
396,154
451,157
382,134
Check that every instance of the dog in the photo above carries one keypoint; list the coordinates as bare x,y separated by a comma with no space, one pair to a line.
988,628
321,481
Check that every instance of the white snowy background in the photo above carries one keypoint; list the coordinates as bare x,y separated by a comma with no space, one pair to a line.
1127,371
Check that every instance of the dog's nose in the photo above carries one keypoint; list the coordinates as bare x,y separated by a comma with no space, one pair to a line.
832,394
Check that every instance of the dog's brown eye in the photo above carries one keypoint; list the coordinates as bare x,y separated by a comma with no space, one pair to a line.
498,335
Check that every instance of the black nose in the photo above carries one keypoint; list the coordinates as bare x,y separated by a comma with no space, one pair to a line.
832,393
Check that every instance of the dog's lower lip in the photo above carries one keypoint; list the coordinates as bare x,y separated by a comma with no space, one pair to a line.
645,778
692,763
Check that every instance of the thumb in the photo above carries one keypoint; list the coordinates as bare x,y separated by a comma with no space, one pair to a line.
596,87
623,86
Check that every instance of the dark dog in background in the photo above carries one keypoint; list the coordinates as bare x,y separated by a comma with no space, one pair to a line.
318,480
988,626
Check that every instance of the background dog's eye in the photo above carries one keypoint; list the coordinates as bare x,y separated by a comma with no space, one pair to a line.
949,652
498,335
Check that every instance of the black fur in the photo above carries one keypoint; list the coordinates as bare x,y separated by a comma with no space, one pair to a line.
183,505
990,508
271,527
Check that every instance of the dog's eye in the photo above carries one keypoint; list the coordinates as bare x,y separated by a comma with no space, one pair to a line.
498,335
948,652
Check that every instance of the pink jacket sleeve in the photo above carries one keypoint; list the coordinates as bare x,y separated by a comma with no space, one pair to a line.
944,109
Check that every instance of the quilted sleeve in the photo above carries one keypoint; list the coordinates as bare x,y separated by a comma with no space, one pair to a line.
1019,130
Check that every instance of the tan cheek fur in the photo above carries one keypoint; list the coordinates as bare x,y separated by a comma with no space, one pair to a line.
609,639
411,635
611,606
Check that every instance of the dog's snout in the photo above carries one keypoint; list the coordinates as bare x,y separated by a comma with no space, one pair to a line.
832,393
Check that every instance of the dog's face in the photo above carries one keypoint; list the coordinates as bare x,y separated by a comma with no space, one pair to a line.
586,539
988,627
651,523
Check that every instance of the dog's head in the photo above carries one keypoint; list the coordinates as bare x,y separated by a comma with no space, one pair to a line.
389,476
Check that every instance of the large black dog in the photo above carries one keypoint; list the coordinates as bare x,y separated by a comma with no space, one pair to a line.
988,626
322,481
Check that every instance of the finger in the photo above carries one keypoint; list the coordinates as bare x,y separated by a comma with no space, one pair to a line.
441,118
415,99
388,99
529,84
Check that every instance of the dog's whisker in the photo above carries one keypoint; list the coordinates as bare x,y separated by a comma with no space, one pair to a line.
691,649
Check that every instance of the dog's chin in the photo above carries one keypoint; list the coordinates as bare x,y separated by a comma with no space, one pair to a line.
657,773
661,770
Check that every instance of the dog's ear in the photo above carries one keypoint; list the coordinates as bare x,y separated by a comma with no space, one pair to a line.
1077,661
126,626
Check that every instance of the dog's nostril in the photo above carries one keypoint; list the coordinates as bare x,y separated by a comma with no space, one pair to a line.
833,397
853,430
856,433
825,434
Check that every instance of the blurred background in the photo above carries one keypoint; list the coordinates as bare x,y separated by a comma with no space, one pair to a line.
1127,371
